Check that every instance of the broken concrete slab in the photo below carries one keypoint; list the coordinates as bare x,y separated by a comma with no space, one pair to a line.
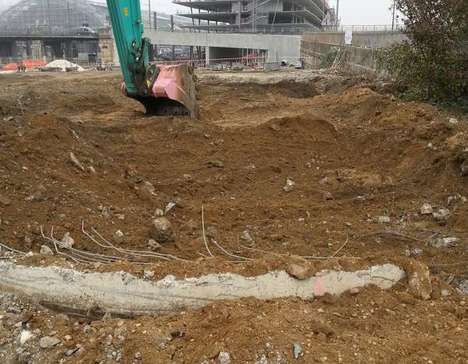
125,294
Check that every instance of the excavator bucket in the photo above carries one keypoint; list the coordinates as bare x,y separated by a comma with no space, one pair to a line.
173,92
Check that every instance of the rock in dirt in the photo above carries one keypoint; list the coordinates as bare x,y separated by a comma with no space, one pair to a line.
146,191
211,232
216,163
47,342
426,209
45,250
70,352
67,240
441,215
169,207
453,121
298,271
464,168
462,286
289,186
447,242
383,220
148,274
25,336
154,245
246,236
297,350
38,195
119,236
75,161
158,212
224,358
419,280
414,252
4,201
161,230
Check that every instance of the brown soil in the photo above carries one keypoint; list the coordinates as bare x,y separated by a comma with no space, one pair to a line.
355,155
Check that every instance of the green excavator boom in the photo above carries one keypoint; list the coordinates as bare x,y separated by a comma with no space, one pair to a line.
163,90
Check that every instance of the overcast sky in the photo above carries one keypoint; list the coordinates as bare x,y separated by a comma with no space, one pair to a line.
352,12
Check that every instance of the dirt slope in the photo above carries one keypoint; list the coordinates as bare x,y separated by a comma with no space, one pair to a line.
362,165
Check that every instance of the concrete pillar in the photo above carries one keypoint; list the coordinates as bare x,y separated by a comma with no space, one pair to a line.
37,51
208,55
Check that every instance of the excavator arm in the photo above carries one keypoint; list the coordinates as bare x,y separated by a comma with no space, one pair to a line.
162,89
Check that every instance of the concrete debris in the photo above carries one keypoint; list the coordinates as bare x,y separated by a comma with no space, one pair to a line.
441,215
45,250
289,186
67,241
25,336
62,65
383,220
47,342
298,271
119,236
75,161
170,206
123,293
224,358
161,230
4,201
154,245
297,350
426,209
447,242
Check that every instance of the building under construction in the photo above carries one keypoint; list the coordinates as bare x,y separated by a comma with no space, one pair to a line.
257,16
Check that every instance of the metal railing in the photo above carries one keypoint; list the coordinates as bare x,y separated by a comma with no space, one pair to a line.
364,28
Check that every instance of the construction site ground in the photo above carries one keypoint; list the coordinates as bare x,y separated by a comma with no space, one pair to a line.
325,171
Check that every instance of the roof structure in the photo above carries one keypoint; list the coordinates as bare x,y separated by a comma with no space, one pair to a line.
52,17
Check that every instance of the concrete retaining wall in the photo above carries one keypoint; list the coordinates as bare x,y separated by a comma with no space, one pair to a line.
278,47
361,54
360,39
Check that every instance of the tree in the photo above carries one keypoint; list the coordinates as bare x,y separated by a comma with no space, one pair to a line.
433,62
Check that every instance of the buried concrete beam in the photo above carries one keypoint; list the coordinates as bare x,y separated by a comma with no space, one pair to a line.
123,294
